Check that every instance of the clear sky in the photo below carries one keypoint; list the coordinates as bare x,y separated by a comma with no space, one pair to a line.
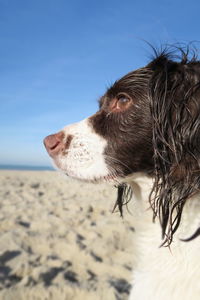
58,56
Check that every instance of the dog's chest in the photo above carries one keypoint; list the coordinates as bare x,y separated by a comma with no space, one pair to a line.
161,273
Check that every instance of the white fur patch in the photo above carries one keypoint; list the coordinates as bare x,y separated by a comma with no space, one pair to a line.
84,159
163,273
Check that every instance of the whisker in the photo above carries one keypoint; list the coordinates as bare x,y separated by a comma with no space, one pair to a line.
118,161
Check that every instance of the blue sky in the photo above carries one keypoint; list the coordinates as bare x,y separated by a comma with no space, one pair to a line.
57,57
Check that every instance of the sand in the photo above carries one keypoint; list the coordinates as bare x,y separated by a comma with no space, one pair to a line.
60,240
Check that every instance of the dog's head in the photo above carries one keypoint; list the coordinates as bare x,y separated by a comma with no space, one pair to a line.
148,121
114,142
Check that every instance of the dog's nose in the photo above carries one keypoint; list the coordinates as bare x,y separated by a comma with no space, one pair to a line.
54,143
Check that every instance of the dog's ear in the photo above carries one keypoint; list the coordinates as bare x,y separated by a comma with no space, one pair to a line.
175,107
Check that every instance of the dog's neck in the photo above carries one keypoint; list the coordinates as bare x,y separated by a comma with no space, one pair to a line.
142,184
162,270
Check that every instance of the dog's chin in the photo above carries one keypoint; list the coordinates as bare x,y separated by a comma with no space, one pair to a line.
84,177
109,178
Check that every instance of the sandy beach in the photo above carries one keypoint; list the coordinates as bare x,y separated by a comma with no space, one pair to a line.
60,240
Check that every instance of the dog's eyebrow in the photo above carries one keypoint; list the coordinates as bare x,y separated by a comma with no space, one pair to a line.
100,101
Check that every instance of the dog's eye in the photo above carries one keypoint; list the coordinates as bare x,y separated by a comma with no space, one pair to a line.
123,99
120,103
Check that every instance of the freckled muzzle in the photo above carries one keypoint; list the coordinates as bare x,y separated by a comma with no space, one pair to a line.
78,151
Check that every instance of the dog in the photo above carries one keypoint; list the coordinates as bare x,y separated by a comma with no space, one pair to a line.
145,137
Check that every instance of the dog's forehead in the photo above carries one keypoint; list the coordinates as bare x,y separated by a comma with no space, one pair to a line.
129,84
119,86
133,79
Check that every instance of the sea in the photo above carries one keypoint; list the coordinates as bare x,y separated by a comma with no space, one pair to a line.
26,168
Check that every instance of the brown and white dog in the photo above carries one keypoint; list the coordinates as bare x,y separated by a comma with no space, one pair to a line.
147,134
